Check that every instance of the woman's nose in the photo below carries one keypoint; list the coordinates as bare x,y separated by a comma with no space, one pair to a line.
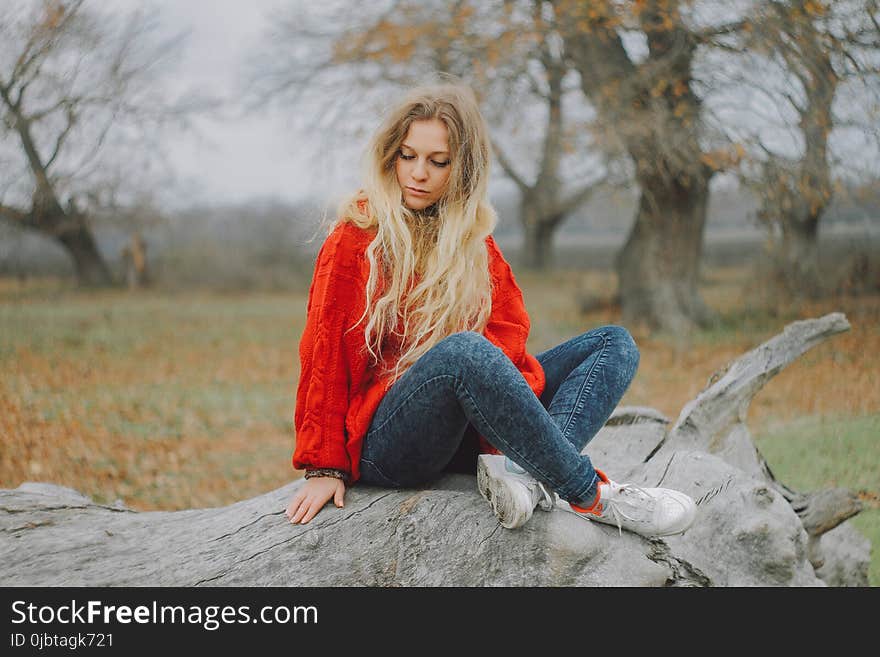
420,171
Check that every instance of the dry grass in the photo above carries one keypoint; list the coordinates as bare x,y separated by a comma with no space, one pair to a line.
172,401
166,402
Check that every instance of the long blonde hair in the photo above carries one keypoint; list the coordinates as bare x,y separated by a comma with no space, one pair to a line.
428,269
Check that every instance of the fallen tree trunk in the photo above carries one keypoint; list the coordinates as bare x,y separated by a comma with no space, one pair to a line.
750,530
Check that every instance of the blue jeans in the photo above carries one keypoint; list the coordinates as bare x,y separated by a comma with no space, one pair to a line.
429,418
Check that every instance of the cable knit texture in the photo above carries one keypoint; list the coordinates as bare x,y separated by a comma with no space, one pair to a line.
338,390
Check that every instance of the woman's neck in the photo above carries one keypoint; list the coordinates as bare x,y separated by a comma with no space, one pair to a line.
425,223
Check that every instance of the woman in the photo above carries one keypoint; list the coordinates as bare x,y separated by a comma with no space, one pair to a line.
432,375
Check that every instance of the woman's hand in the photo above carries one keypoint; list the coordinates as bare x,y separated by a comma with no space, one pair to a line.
312,497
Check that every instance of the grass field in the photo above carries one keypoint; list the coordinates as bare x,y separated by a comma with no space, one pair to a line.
178,400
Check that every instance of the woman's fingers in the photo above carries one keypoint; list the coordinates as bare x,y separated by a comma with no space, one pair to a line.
293,505
298,509
312,510
310,499
306,508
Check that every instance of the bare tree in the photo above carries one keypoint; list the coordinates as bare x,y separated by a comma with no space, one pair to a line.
76,86
545,201
819,64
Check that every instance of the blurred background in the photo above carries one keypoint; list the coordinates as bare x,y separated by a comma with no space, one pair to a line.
702,172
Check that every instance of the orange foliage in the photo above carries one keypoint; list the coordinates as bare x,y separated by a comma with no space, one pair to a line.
680,88
725,158
53,12
659,87
387,40
815,9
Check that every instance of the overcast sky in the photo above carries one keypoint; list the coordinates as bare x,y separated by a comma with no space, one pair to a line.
254,156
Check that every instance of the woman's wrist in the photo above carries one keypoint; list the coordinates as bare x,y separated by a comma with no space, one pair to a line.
327,472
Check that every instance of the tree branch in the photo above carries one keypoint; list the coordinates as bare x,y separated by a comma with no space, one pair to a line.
706,35
16,217
508,168
59,142
579,197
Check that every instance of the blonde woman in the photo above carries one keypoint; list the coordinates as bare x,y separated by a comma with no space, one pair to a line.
414,358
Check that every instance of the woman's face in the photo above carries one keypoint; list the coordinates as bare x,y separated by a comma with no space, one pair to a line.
422,164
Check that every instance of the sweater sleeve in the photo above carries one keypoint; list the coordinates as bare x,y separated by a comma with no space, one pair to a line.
324,388
508,326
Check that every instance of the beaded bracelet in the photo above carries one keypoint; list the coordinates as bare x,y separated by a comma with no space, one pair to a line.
327,472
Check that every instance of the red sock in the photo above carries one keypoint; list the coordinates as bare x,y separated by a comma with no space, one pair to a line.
596,507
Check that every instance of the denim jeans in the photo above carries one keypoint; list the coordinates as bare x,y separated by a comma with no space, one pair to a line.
465,384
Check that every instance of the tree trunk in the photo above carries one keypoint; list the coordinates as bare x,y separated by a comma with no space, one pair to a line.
538,244
71,231
797,258
91,270
659,266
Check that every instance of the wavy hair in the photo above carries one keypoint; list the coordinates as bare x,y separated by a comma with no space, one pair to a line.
429,274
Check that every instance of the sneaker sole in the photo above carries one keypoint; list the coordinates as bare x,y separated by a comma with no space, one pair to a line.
510,507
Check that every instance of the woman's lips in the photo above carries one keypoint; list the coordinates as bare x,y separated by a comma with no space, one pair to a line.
417,192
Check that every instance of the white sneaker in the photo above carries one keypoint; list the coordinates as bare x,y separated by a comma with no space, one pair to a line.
511,491
645,511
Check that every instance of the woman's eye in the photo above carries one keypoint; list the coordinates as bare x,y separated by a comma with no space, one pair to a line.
404,156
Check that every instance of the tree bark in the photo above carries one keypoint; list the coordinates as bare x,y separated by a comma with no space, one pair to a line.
658,267
797,264
71,231
538,241
91,270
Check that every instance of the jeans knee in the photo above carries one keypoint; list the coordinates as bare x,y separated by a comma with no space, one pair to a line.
465,340
623,346
465,343
472,351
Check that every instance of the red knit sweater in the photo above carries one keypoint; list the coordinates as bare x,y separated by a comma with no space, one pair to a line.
338,392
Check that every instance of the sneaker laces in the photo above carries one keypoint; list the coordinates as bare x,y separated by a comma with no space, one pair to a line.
613,505
548,500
